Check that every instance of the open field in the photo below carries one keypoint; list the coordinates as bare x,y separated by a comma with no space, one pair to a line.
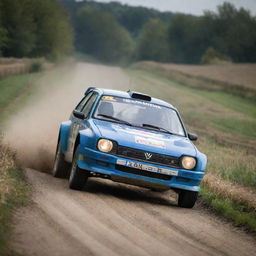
237,79
242,74
132,220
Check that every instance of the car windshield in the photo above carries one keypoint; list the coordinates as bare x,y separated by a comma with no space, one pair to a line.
139,113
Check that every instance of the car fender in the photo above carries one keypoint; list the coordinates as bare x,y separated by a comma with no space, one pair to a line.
64,134
202,161
87,138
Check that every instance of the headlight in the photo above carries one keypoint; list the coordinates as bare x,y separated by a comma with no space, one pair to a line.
105,145
188,162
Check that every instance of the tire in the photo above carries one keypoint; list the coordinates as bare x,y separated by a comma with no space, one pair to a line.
78,177
60,168
187,199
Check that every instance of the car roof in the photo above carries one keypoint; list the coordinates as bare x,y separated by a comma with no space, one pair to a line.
127,95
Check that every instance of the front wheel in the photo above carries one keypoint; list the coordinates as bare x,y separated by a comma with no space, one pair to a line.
187,199
78,177
60,167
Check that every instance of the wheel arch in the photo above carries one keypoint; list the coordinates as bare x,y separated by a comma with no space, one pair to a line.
202,161
77,142
63,135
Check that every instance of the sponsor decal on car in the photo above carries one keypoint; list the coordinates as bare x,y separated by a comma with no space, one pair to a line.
108,98
138,132
150,142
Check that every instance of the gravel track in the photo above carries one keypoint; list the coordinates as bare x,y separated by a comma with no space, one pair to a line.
108,218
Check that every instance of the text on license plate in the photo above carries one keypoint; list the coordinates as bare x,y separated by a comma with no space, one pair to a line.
146,167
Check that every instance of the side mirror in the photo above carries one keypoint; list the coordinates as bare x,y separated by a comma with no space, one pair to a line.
192,136
78,114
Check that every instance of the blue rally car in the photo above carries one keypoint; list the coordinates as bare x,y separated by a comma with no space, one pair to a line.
132,138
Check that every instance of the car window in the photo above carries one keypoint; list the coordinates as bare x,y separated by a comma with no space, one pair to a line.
140,113
81,104
86,109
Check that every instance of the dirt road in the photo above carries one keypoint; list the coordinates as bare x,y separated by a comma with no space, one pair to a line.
106,218
112,219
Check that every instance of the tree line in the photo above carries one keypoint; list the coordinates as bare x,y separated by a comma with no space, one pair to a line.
34,28
117,33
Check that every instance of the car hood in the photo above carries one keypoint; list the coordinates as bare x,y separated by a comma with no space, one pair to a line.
145,139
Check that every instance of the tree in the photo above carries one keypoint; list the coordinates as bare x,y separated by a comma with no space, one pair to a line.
18,23
235,34
3,39
231,32
3,33
99,34
35,28
186,42
153,44
53,31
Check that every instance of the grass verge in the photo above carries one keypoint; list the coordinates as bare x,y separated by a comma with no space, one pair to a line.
231,210
14,90
14,192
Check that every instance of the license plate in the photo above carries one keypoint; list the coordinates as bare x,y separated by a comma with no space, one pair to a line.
146,167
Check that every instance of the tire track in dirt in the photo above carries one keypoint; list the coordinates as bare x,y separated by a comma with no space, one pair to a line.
115,219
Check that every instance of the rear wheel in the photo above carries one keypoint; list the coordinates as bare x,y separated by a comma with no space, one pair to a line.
187,199
61,167
78,177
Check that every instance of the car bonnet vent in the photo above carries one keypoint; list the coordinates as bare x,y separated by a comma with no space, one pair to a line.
138,95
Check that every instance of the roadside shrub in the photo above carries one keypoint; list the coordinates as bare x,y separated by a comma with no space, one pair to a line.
14,192
36,66
212,56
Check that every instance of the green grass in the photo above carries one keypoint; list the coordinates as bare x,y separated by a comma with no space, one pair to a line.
231,164
14,90
14,192
247,128
240,174
231,101
16,196
229,209
12,87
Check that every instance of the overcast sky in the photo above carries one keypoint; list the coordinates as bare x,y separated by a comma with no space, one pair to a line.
188,6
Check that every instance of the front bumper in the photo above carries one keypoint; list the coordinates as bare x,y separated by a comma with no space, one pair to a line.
106,164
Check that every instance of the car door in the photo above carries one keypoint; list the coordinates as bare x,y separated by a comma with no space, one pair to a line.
79,124
75,126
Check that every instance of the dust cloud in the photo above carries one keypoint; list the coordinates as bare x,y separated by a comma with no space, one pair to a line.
33,131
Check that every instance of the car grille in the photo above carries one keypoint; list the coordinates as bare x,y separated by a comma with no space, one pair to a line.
155,158
143,173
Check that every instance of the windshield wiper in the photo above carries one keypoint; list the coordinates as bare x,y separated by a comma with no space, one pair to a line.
156,127
116,119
